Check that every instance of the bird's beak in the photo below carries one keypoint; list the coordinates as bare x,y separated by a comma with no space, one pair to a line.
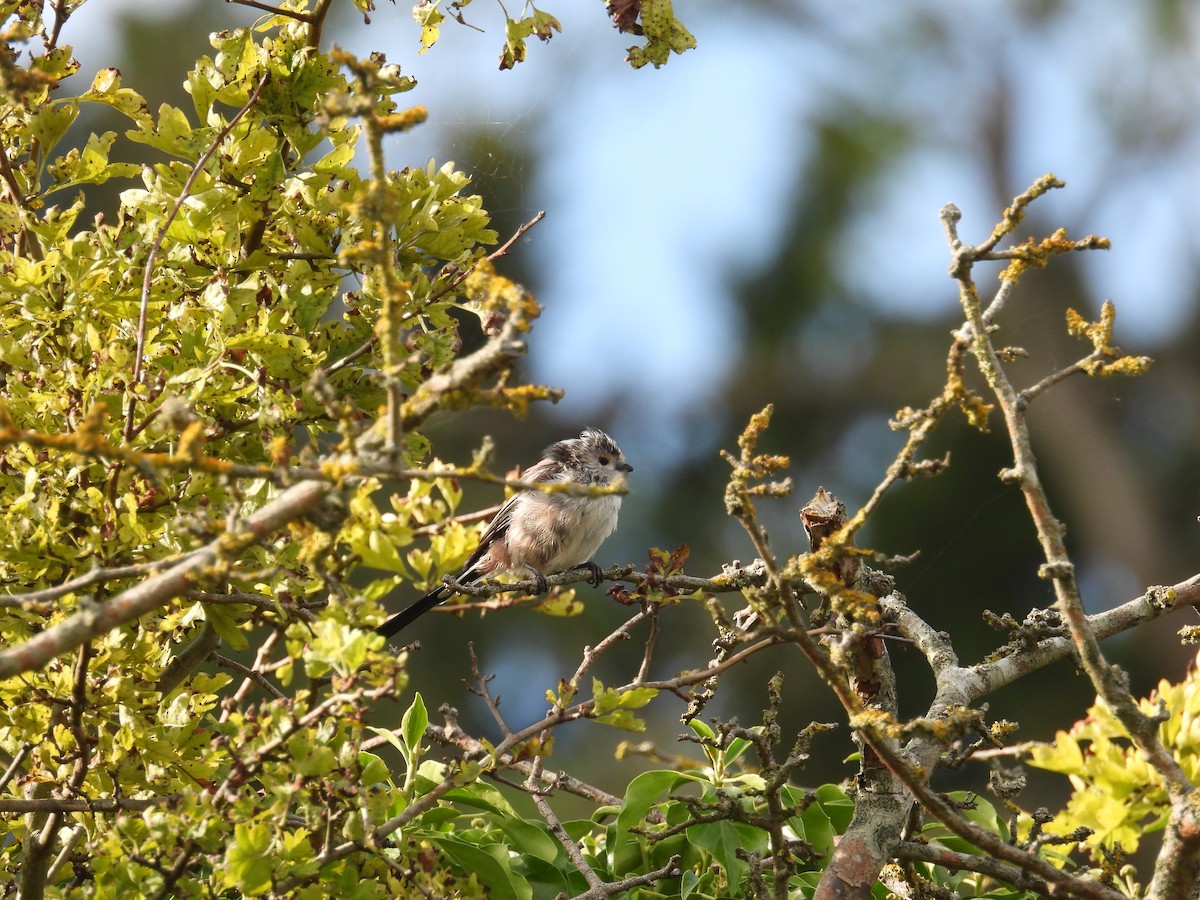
624,467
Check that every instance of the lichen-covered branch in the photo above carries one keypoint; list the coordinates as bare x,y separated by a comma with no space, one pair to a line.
1177,862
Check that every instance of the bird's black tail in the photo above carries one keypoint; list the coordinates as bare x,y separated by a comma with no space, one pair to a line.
412,613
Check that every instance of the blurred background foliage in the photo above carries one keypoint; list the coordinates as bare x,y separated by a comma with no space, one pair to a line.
757,222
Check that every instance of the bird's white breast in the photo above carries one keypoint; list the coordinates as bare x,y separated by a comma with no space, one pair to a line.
554,532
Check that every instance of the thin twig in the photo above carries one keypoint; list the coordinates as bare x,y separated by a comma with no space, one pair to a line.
984,865
556,828
1024,473
592,654
274,10
61,13
64,855
517,235
316,21
613,888
452,735
940,809
151,258
95,576
13,767
652,611
1055,377
731,581
492,703
250,675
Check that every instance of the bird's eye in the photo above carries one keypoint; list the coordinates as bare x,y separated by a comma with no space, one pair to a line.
604,460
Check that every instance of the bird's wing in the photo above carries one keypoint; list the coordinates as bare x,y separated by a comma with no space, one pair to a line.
544,470
495,531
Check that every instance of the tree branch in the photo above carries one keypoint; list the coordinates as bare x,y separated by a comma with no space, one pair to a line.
967,862
1058,568
92,620
82,804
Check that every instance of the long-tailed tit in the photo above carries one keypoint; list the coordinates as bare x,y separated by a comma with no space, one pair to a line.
538,532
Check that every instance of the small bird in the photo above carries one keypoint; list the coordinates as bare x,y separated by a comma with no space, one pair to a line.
537,532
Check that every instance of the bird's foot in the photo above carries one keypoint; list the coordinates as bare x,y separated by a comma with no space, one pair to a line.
542,584
596,574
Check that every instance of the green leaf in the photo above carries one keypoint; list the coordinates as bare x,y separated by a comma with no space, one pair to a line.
737,746
172,133
310,757
333,646
248,858
49,123
837,805
723,839
373,770
90,165
390,736
106,88
607,699
549,881
664,33
482,796
491,864
643,793
429,17
412,726
223,618
528,838
515,32
623,719
818,829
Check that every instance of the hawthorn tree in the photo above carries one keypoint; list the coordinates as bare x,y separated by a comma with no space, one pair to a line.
202,431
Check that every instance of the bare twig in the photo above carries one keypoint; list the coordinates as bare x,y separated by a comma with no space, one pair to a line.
652,611
957,687
62,12
613,888
516,236
532,787
470,518
940,809
14,766
482,690
274,10
592,654
249,674
26,241
731,581
1054,378
984,865
88,444
75,835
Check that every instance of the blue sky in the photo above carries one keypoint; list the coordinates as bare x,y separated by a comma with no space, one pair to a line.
660,185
